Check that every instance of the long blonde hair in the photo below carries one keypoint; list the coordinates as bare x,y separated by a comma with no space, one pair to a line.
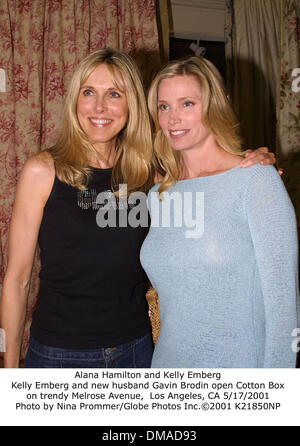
134,149
217,115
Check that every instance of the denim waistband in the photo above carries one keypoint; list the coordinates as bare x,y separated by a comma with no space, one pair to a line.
103,353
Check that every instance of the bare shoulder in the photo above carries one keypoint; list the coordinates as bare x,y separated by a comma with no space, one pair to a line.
39,167
40,164
37,175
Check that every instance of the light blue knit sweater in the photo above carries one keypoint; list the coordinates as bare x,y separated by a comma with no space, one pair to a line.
229,297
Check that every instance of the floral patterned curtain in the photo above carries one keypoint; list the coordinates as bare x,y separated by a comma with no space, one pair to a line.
288,103
41,42
277,30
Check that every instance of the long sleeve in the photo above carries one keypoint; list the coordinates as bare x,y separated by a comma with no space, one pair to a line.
272,223
229,297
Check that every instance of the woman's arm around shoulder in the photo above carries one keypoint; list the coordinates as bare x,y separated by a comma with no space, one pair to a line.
33,189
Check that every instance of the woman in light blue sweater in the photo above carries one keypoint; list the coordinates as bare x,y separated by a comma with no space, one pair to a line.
222,248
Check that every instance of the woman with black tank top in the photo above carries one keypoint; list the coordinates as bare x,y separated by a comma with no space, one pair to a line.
91,309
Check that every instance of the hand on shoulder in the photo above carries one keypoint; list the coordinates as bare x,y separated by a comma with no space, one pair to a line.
261,155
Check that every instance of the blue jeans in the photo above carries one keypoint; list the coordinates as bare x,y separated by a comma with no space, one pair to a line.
137,353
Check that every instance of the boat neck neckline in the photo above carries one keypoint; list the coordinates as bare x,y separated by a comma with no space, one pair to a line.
210,176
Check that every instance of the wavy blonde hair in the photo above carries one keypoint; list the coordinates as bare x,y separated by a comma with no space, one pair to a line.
134,148
217,115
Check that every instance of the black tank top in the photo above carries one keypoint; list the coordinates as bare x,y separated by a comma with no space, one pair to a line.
92,291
